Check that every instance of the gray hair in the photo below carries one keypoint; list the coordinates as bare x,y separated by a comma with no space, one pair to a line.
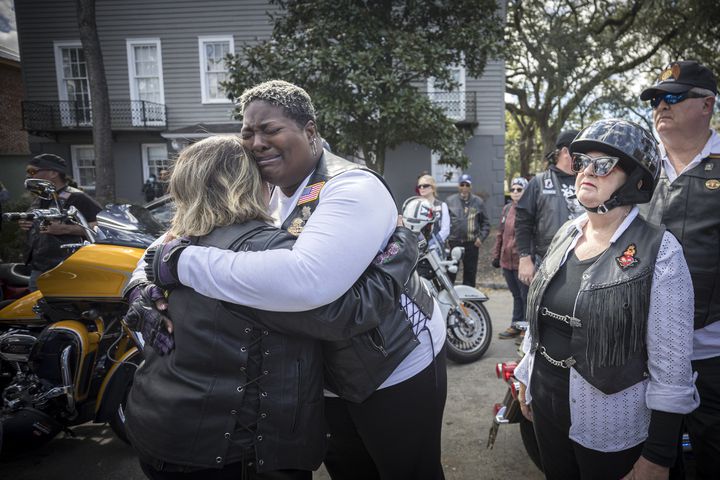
702,91
215,183
295,101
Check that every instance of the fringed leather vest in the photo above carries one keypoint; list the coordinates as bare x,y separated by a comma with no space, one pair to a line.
611,308
690,209
355,368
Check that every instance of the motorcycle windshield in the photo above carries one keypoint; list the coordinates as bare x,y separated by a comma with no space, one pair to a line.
127,225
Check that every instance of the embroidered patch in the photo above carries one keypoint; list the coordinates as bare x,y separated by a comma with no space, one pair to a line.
306,212
384,257
712,184
670,73
296,226
310,193
628,259
709,166
548,184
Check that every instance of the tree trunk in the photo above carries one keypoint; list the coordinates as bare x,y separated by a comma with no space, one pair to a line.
526,147
100,102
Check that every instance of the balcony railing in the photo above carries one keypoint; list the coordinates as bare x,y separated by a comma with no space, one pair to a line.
72,115
460,106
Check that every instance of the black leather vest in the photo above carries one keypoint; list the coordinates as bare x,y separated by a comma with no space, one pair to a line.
690,208
230,386
612,306
354,368
551,211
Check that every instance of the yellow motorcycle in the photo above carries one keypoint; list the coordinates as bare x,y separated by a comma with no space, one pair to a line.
65,356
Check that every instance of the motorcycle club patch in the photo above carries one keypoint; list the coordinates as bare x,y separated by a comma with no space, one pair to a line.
310,193
548,186
709,166
297,225
385,256
628,259
712,184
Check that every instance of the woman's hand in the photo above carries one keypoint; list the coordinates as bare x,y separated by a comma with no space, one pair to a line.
644,469
524,407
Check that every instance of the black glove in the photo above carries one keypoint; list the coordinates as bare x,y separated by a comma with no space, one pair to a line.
161,263
496,262
144,317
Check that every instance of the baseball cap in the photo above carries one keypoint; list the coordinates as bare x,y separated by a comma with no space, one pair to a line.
465,178
679,77
49,161
565,138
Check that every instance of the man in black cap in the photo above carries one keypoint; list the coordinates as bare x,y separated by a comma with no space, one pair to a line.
44,241
687,202
548,202
469,227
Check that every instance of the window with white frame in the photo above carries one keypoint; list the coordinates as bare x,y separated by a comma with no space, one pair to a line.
146,79
83,162
444,174
452,102
213,69
155,159
73,84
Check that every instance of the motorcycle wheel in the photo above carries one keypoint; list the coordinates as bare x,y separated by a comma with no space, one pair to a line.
527,432
467,343
117,422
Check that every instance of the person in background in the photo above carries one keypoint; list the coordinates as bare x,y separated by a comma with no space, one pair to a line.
606,377
427,189
152,188
687,202
505,256
44,251
548,202
469,227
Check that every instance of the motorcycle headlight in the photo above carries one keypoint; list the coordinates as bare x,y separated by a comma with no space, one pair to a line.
457,253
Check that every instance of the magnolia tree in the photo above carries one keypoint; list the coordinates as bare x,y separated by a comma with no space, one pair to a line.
366,63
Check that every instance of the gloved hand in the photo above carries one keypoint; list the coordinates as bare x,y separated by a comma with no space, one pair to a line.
161,263
144,317
496,262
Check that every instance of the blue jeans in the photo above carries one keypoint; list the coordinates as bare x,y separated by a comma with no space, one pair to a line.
519,292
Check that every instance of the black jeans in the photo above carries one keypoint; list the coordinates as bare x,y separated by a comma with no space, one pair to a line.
470,261
562,458
519,292
704,423
394,434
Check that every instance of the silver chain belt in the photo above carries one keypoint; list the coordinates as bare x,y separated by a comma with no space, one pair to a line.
566,363
569,319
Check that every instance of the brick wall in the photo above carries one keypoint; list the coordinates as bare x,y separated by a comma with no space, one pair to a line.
13,139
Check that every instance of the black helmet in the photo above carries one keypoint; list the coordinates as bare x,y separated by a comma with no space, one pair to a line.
639,157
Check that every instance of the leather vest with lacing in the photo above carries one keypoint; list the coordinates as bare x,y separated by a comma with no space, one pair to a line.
611,309
690,208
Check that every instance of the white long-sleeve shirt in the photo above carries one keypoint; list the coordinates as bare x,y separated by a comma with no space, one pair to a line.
352,222
619,421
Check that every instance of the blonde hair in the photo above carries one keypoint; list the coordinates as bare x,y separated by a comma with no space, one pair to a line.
215,183
430,181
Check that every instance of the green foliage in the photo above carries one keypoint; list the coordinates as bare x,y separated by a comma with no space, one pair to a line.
569,63
12,239
363,61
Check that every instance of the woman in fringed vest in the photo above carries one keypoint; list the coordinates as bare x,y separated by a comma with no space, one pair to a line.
606,377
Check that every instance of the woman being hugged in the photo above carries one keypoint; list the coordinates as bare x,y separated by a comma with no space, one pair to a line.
606,377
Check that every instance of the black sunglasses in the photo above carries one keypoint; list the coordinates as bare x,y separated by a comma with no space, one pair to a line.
34,171
516,189
425,185
602,166
463,184
673,98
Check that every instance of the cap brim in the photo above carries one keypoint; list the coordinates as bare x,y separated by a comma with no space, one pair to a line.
673,87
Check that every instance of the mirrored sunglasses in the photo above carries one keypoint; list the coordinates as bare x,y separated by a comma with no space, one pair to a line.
672,98
602,166
425,185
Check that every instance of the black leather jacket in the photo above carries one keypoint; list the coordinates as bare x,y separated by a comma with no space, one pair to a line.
235,387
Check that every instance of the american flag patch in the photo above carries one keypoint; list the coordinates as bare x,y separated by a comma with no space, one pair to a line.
310,193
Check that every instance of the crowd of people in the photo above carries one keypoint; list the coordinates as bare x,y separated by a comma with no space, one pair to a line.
270,350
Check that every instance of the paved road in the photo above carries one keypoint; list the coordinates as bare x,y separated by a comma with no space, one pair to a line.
94,454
